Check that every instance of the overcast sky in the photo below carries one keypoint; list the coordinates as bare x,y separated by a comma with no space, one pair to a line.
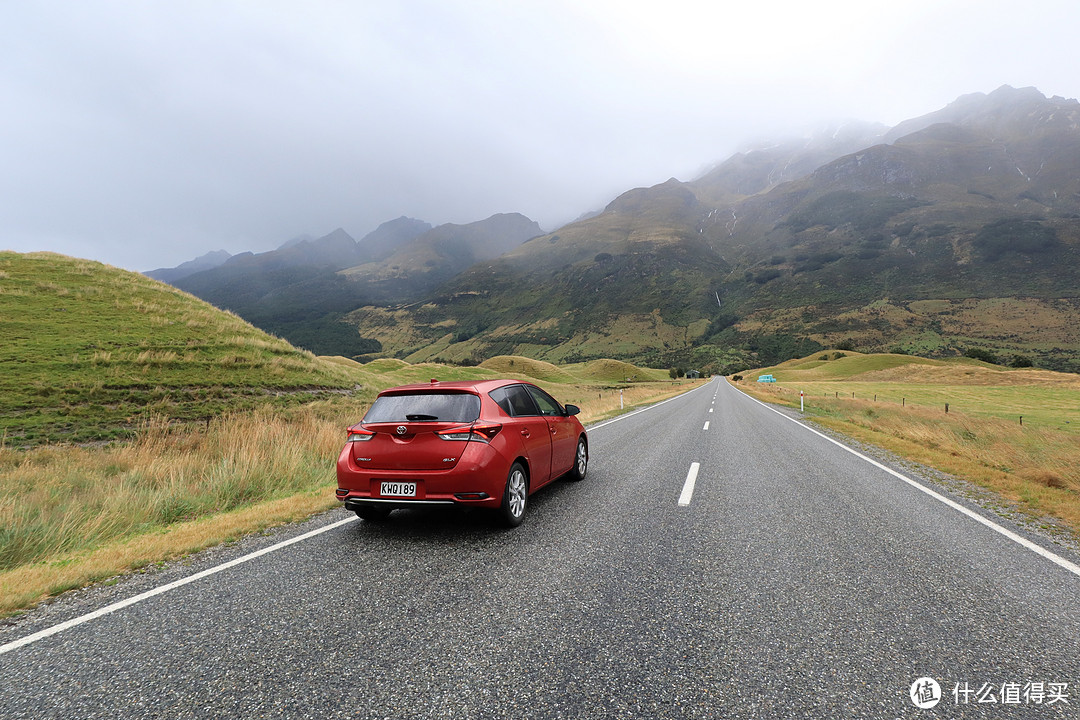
145,133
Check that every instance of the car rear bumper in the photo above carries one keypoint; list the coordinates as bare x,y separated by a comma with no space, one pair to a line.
356,501
477,481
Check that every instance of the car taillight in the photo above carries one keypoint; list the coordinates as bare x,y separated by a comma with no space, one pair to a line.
482,433
357,435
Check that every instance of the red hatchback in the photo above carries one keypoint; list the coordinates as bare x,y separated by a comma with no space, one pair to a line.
489,443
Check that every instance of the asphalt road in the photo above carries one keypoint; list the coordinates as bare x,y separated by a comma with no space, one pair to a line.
797,580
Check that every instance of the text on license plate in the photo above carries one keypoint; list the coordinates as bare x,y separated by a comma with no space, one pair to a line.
398,489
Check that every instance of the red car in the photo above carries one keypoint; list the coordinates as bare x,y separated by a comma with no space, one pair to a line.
489,443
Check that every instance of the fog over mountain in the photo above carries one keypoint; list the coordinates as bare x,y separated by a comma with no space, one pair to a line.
148,134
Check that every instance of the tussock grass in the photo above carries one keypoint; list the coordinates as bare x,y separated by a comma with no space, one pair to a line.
61,499
27,585
71,515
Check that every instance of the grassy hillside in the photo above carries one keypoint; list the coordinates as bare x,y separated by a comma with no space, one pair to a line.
90,352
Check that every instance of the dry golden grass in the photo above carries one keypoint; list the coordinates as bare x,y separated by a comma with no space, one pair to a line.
72,515
602,403
28,585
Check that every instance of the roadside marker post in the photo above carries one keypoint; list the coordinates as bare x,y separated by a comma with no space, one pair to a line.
802,403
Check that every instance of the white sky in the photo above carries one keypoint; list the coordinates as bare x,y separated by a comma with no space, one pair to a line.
144,133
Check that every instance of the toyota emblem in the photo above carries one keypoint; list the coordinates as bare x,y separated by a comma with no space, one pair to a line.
401,429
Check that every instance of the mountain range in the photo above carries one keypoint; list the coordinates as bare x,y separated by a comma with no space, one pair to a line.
952,232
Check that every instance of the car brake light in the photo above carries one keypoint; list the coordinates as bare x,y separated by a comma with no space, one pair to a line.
356,435
486,433
482,433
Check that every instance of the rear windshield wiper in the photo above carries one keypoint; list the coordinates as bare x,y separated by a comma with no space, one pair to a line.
420,418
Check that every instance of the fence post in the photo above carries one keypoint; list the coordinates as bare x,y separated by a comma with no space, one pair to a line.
946,408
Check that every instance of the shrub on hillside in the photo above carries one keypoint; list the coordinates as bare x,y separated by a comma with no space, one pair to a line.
1015,235
981,354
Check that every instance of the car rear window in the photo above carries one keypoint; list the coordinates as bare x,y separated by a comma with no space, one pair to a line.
424,407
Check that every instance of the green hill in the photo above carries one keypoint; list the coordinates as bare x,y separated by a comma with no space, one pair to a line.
91,351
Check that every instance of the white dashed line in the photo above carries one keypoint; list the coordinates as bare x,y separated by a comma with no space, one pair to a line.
706,426
688,486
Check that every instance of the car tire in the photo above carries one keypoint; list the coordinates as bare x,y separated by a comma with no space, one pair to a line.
581,461
515,496
373,513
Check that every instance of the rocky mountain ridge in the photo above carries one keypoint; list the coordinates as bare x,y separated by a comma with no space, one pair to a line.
891,239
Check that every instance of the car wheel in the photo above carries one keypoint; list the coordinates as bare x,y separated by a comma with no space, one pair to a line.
515,496
373,513
581,461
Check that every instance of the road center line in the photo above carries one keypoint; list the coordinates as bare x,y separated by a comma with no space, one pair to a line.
688,486
590,428
42,634
706,426
1018,539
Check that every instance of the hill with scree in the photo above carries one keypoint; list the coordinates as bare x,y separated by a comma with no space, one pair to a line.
90,352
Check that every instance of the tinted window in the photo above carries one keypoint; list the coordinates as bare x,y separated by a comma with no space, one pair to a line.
502,399
424,407
545,402
515,400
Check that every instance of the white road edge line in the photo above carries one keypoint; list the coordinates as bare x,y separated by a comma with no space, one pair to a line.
1018,539
647,407
688,486
47,632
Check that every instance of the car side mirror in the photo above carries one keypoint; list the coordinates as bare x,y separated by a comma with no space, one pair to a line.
572,410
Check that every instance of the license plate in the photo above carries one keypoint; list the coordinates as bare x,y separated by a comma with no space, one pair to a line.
398,489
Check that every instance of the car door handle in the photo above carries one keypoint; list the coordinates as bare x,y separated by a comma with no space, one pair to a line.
526,433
